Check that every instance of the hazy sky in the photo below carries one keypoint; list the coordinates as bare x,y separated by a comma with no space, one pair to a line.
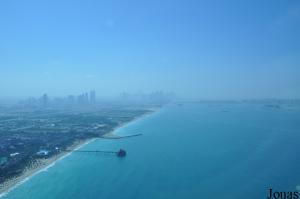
202,49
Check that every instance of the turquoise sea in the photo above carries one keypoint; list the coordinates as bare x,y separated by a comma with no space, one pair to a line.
193,150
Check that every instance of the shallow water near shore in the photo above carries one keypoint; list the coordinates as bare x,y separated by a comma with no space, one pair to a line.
189,151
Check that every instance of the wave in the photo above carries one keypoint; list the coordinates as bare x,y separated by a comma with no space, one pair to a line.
45,169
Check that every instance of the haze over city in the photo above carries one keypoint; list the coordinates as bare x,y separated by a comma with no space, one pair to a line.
197,49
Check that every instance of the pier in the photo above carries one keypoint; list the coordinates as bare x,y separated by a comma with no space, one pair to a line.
120,153
121,137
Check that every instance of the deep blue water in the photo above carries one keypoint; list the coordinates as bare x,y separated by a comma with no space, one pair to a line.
190,151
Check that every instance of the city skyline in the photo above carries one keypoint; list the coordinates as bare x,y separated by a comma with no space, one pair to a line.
197,49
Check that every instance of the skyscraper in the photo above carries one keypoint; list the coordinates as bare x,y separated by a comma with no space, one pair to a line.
44,100
86,98
92,96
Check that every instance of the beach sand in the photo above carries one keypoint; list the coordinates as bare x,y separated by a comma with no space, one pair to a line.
40,165
43,163
113,135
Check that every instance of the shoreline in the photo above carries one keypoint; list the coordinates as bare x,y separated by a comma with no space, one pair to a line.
41,165
44,164
112,135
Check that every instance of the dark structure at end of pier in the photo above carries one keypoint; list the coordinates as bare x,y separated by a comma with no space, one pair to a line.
121,153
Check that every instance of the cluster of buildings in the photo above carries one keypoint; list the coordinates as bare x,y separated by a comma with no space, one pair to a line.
86,98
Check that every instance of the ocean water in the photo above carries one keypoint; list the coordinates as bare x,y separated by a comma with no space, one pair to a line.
189,151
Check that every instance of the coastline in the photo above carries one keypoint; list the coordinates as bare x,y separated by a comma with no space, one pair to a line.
112,135
43,164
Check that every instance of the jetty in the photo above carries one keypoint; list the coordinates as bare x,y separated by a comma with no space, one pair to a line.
120,153
121,137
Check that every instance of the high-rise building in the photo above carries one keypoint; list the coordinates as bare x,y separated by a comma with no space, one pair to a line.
92,96
80,99
45,100
86,98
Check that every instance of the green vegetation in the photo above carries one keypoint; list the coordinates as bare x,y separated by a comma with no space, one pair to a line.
24,134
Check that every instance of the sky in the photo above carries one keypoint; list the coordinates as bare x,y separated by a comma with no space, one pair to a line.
198,49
